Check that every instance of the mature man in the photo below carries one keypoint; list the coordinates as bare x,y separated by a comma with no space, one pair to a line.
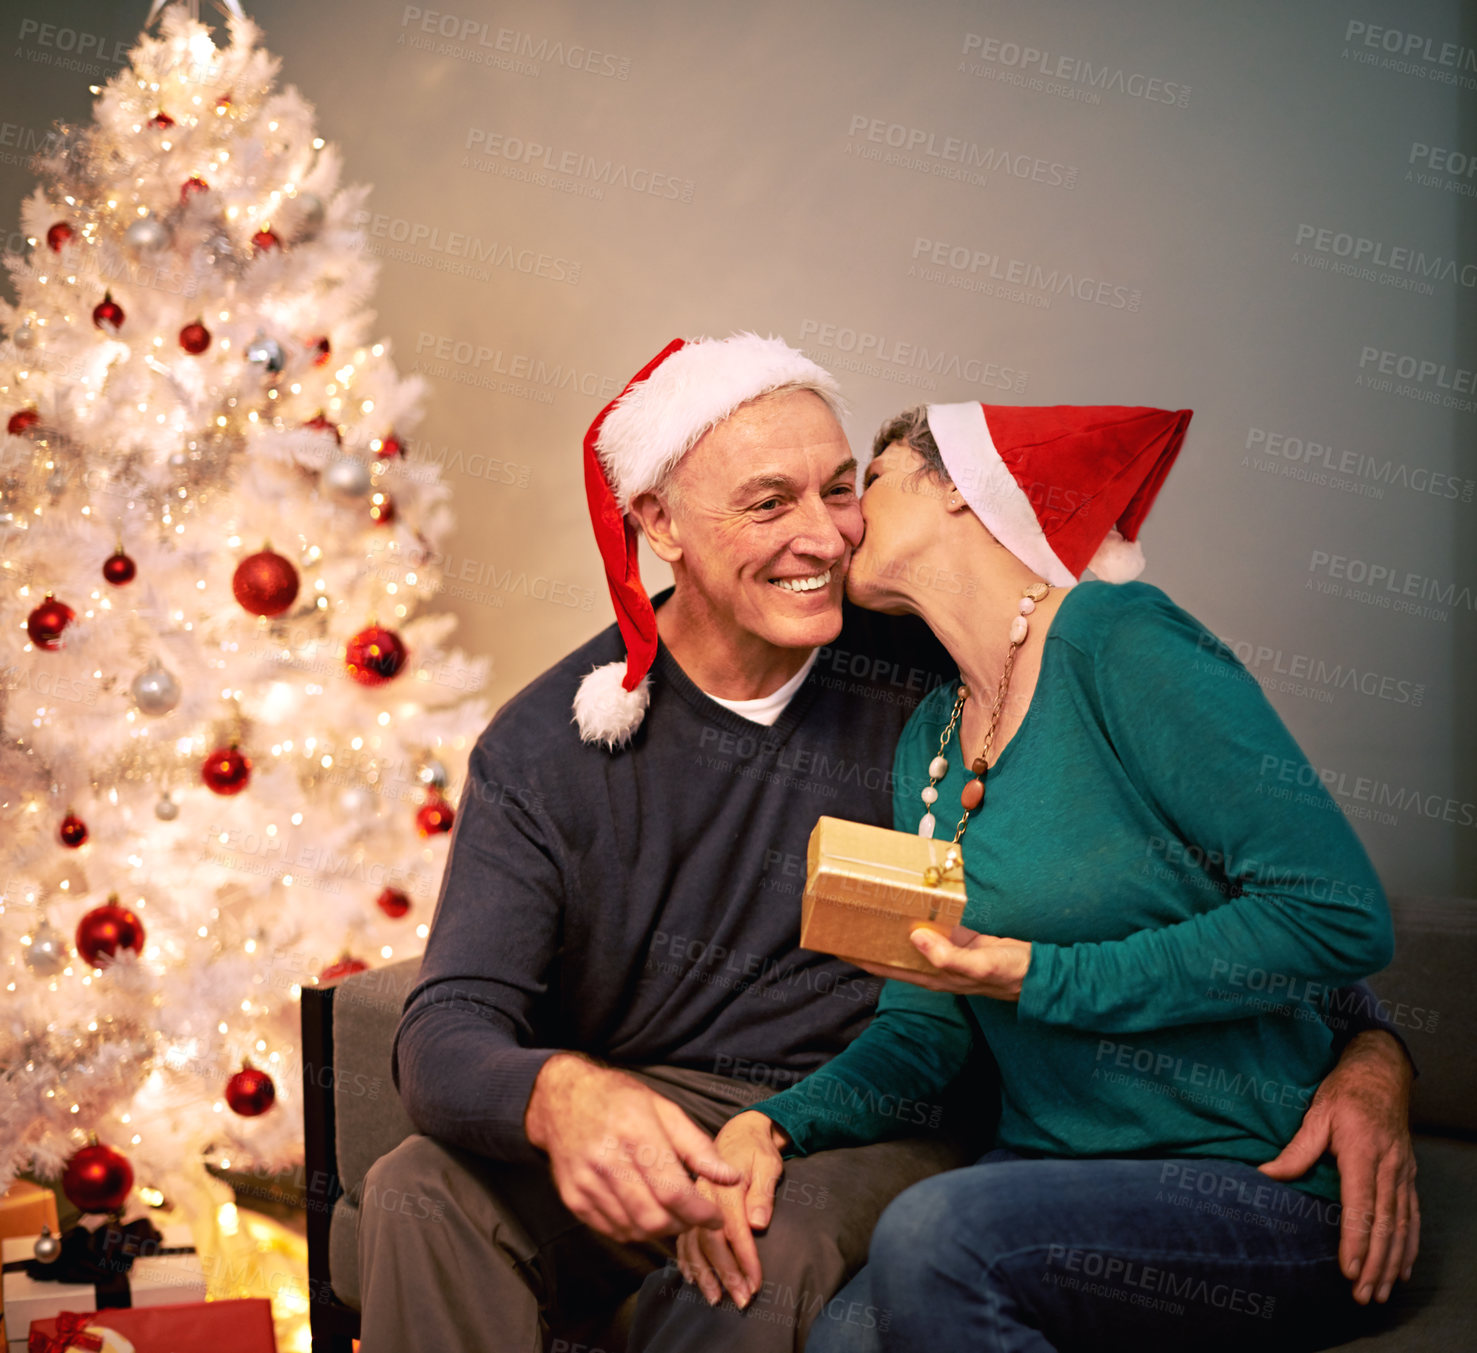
614,968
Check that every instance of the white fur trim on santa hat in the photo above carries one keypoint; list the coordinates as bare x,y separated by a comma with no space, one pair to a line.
605,710
1117,560
969,454
658,421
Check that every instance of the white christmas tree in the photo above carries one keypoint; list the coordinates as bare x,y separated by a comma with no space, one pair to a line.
224,728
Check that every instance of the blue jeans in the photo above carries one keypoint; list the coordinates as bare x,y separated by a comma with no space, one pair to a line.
1017,1255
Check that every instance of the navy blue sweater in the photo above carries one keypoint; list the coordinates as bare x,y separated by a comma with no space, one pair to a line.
642,906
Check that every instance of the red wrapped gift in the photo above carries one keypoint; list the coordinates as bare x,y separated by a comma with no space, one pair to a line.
71,1332
220,1326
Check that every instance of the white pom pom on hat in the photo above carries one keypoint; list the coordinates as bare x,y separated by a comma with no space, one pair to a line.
1063,487
605,710
1117,560
686,389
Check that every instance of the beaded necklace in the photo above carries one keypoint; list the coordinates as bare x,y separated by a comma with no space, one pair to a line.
973,793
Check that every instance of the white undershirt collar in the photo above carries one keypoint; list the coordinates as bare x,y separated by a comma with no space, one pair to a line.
768,708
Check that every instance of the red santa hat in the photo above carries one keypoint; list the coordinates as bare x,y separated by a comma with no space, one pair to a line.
690,386
1066,487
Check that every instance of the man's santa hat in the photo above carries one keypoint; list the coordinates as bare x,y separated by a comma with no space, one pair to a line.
635,441
1066,487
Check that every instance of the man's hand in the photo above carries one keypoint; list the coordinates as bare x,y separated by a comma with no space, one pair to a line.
967,963
1361,1113
617,1150
715,1259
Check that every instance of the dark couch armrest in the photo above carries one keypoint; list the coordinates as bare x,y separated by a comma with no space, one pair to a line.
334,1325
369,1119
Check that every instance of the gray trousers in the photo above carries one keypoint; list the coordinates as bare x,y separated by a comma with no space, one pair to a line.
490,1261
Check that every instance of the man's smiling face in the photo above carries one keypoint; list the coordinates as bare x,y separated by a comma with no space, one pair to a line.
766,513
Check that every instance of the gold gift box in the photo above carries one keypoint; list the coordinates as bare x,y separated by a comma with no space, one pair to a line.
25,1208
867,889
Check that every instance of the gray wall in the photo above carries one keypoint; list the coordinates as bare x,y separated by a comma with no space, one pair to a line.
1246,206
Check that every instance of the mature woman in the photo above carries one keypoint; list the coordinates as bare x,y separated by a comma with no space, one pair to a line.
1146,866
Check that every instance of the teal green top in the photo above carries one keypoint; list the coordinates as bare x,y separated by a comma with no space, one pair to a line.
1190,890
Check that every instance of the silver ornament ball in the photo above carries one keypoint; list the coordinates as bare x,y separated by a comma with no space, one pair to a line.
48,1248
347,478
166,810
47,953
219,248
265,353
145,236
356,801
433,774
308,212
156,690
25,337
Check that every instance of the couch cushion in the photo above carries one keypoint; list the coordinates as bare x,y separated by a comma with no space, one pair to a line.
1428,993
343,1252
370,1120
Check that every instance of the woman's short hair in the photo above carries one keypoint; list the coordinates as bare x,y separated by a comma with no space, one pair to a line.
911,428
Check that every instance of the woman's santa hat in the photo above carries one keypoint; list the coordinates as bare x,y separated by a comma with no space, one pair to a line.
1065,487
689,387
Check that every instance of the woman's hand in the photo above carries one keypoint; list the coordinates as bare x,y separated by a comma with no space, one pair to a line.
727,1258
967,963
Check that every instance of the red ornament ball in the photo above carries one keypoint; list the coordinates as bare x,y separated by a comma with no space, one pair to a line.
73,831
104,930
191,186
118,568
434,816
58,235
381,508
321,424
161,119
265,583
108,314
346,966
46,623
223,102
194,338
374,655
226,771
323,350
98,1179
390,446
22,421
264,241
393,903
250,1092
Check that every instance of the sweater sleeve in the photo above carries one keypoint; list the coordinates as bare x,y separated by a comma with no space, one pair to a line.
462,1058
1200,743
1354,1010
887,1083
